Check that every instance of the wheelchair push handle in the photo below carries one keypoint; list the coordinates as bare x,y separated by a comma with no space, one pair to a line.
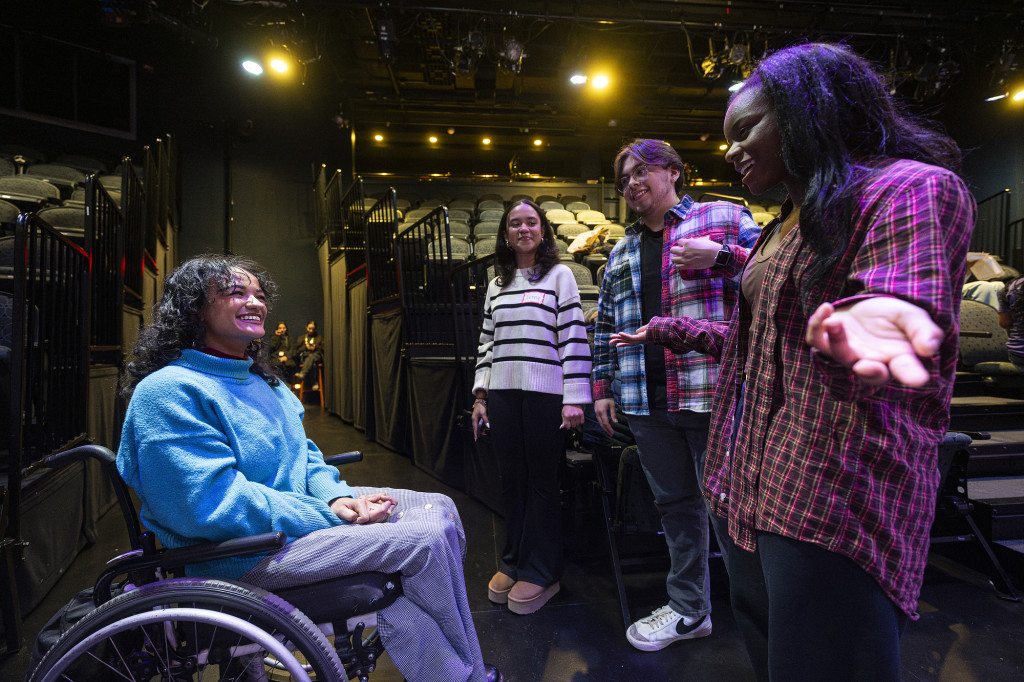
344,458
103,455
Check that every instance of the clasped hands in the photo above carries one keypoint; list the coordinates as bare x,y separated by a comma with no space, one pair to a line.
371,508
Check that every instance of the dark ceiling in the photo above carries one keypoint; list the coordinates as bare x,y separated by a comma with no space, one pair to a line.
408,69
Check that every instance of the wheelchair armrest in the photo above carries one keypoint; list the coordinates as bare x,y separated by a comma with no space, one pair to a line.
344,458
135,562
252,544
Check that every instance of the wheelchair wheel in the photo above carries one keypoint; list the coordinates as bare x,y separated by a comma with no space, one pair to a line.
192,629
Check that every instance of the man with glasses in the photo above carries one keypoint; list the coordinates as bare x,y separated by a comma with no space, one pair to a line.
680,258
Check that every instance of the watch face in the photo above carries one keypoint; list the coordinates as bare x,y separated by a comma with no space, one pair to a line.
723,257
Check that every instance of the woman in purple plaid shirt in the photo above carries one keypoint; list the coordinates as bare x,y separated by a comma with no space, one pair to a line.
837,367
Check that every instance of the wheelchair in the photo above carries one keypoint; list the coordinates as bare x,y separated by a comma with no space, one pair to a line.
151,622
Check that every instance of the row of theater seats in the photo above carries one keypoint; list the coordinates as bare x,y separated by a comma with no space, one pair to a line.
481,239
54,191
763,215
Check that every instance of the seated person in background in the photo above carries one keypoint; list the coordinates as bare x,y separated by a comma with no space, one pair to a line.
214,447
308,350
1011,318
279,350
988,291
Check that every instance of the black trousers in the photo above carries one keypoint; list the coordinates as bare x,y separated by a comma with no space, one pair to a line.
530,448
807,613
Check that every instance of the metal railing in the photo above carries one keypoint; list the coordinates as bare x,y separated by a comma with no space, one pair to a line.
49,279
468,284
425,260
381,265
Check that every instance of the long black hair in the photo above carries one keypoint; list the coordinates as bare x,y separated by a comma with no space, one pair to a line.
176,321
837,120
547,252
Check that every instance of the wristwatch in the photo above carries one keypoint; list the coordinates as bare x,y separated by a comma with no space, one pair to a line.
723,257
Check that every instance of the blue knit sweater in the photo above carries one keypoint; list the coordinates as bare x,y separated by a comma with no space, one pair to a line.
214,453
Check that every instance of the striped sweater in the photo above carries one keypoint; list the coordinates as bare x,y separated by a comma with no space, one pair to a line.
533,338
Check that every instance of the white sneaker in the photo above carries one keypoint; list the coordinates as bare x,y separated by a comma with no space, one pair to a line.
663,627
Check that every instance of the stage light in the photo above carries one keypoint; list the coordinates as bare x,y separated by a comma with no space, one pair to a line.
252,67
538,142
735,86
433,139
468,52
511,57
600,81
738,54
723,147
279,65
379,138
1018,96
486,140
577,79
994,98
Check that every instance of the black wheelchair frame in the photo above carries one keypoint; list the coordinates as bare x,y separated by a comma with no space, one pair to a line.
153,623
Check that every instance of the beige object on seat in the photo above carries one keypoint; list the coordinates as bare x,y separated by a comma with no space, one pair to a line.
559,216
589,217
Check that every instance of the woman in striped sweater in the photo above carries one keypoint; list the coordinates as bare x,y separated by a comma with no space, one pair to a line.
532,381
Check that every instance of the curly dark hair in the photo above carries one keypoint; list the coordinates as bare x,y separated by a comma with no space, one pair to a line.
837,119
176,324
653,153
547,252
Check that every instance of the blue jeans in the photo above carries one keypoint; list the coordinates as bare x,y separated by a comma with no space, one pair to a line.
672,447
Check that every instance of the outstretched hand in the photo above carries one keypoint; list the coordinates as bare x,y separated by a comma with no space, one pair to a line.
622,339
879,338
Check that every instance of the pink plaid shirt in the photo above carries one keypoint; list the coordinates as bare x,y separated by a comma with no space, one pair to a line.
819,456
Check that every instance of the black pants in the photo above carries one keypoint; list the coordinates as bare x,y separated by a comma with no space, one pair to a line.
807,613
309,360
530,448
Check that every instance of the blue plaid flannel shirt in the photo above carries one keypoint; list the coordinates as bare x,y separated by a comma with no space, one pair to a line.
702,294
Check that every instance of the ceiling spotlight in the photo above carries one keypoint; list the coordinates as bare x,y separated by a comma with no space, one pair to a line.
723,147
468,52
378,137
704,137
433,139
600,81
486,140
738,54
451,131
278,65
577,79
735,86
252,67
538,142
1019,96
511,56
711,67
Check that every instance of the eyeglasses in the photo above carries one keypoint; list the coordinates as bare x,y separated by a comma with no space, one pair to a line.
639,174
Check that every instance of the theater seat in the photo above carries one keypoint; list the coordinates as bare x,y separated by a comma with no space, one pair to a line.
1001,374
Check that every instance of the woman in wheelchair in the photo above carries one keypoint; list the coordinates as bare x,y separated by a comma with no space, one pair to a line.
214,447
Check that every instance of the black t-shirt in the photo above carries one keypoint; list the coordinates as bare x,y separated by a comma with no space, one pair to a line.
651,245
